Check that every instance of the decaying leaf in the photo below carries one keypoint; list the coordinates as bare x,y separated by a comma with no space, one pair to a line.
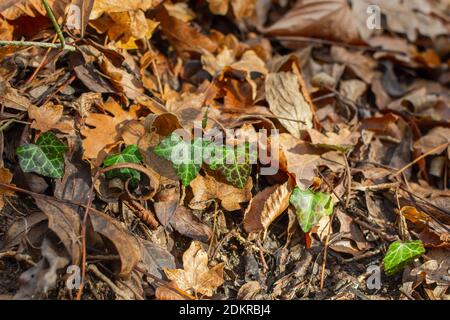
330,19
266,206
107,130
196,277
208,188
288,102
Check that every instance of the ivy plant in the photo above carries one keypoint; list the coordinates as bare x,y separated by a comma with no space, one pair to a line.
129,155
310,207
188,157
399,254
46,157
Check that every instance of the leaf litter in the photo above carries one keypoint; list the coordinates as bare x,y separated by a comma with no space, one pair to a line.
339,161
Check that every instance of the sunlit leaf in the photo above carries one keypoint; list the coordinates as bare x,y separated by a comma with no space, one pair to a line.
185,157
310,207
400,254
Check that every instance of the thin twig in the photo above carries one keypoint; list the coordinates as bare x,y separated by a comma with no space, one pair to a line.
421,157
36,44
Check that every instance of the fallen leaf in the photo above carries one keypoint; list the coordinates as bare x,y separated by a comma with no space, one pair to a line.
208,188
342,141
184,37
196,277
125,244
112,6
49,116
437,136
266,206
5,177
107,130
288,102
329,19
187,224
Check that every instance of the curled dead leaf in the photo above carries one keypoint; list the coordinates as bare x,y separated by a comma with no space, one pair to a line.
266,206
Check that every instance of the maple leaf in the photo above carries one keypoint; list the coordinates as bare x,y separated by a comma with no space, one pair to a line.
107,130
196,277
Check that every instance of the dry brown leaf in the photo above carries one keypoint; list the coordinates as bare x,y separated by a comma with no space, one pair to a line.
327,19
363,66
406,17
124,81
65,222
208,188
243,8
344,140
180,10
125,244
172,292
113,6
49,116
13,9
219,7
187,224
196,277
5,177
11,97
6,30
352,241
302,159
287,101
266,206
107,129
434,138
184,37
77,15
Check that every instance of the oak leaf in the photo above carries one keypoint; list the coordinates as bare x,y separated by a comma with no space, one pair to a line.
196,277
107,130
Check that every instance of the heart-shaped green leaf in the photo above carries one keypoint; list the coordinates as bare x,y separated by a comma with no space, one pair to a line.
46,157
185,157
233,163
129,155
400,254
310,207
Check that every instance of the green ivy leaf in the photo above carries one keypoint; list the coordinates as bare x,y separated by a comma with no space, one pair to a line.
46,157
400,254
129,155
310,207
234,163
185,157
